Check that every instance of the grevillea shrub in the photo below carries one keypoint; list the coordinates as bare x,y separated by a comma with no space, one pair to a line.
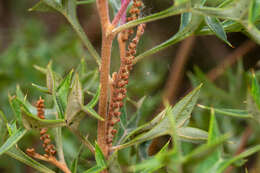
119,131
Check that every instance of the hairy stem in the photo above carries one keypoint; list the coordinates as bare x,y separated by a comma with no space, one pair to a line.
107,40
103,99
102,6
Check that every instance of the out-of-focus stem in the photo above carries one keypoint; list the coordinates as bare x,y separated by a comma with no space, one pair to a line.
121,12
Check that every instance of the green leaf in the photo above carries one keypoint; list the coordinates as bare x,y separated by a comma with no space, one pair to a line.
15,105
161,124
41,88
3,130
220,165
32,121
94,100
74,165
55,4
126,125
173,10
185,32
23,102
92,112
213,127
228,25
12,128
229,112
3,117
232,160
254,11
255,91
216,26
18,154
182,110
80,2
100,159
215,157
12,140
45,70
62,93
203,151
75,100
235,12
185,20
50,80
95,169
190,134
252,108
113,164
41,6
178,2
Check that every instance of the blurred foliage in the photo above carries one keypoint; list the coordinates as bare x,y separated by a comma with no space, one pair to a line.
202,141
30,46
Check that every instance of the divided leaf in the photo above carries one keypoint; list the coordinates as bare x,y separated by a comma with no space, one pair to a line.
161,124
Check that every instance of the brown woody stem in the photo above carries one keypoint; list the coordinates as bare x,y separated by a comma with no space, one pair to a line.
52,160
107,40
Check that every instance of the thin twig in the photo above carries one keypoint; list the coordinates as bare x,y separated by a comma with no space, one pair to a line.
52,160
177,70
120,12
83,139
232,58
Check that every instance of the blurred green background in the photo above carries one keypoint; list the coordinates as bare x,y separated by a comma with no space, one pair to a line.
35,38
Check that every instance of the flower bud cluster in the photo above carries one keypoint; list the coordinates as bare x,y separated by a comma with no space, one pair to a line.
45,137
120,79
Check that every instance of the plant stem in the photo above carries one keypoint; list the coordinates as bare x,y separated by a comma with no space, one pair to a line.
121,12
83,139
160,15
107,40
177,70
53,161
78,29
103,99
232,58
